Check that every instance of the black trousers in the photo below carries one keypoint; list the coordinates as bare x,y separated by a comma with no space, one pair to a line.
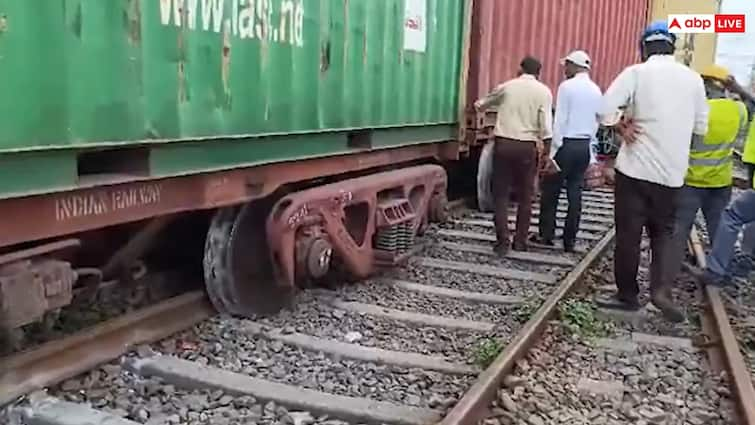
638,205
573,158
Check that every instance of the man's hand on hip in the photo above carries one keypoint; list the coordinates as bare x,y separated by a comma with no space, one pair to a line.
628,130
540,148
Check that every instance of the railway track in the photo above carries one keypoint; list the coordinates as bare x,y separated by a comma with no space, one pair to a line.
611,367
726,354
429,342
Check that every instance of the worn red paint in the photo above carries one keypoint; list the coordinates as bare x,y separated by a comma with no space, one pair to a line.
505,31
50,215
351,236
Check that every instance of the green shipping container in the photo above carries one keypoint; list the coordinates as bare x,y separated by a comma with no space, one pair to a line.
215,84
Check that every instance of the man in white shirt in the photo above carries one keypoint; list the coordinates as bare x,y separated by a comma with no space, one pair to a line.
523,127
575,125
665,106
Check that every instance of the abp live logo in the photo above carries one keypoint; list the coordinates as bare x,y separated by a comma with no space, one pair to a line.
706,23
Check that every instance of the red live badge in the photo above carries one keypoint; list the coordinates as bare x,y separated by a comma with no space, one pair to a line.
730,23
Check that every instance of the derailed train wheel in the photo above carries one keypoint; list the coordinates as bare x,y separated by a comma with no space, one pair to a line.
11,340
215,257
237,265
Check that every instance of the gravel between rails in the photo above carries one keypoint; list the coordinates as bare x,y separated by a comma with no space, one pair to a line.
435,251
311,317
491,231
432,241
151,401
616,378
386,295
469,282
225,344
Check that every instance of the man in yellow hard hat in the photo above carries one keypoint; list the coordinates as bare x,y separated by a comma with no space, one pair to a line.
707,185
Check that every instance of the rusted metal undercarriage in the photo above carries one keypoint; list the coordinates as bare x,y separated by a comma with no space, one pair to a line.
36,282
83,213
257,255
33,287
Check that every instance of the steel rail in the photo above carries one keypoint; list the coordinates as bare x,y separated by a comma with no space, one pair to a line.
55,361
740,378
475,401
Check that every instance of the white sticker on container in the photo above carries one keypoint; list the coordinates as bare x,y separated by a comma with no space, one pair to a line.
415,25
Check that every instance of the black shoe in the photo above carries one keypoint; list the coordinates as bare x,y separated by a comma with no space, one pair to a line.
743,266
568,247
667,307
502,249
540,241
615,303
522,247
706,278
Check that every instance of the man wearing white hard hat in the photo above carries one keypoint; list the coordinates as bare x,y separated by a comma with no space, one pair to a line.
578,102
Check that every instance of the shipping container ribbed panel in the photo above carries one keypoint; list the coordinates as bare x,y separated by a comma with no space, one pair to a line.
505,31
77,73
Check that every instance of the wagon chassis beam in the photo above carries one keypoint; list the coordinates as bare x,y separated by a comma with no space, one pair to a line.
37,217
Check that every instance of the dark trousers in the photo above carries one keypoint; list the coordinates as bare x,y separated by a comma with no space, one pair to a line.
712,202
514,165
638,205
748,241
573,158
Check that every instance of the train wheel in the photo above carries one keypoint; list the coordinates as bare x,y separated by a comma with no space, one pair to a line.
238,269
215,257
11,340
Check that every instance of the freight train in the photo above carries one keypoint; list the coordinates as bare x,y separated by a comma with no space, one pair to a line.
273,143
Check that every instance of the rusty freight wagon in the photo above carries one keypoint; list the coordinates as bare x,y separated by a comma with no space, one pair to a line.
294,139
504,31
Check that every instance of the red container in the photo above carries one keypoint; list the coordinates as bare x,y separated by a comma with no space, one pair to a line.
504,31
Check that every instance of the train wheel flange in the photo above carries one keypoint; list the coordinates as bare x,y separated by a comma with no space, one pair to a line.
238,269
11,340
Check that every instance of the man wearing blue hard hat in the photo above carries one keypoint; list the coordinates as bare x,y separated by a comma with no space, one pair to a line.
664,110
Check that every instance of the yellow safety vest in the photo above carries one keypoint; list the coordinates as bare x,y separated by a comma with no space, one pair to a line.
748,155
710,161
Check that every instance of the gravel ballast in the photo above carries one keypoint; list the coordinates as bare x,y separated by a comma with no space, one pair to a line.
224,344
630,373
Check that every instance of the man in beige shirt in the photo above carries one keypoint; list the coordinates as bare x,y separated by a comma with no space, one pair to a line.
523,131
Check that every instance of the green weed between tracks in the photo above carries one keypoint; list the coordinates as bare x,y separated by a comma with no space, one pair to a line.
488,348
579,318
525,311
486,351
